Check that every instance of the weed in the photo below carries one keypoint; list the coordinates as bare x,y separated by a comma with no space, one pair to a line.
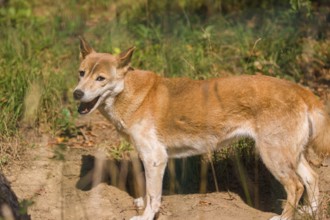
24,205
119,151
59,152
3,160
66,123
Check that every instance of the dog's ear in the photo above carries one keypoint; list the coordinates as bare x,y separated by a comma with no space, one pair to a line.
124,58
85,48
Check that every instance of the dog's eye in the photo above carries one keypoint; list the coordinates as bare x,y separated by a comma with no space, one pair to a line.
81,73
100,78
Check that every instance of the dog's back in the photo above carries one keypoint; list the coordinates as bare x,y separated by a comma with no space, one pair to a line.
186,111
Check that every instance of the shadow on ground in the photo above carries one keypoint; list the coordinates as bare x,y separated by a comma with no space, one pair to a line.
248,178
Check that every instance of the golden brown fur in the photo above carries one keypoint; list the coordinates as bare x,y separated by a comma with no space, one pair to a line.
180,117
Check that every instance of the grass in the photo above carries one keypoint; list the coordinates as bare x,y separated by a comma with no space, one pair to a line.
30,71
39,52
118,152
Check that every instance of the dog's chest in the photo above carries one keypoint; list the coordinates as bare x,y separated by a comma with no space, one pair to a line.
109,114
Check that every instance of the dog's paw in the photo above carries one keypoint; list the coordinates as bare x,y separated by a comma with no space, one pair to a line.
307,210
278,217
143,217
139,203
140,217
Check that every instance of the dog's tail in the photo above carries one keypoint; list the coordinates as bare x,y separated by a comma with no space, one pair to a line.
320,132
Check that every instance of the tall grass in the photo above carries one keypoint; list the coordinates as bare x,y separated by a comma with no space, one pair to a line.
32,56
39,51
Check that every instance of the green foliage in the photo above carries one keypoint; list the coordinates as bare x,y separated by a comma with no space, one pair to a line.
24,205
299,5
17,11
66,123
197,39
31,51
118,152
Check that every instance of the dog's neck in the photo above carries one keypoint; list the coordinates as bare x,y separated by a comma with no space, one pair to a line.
119,110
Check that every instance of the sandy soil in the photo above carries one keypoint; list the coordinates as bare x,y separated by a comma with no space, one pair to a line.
62,184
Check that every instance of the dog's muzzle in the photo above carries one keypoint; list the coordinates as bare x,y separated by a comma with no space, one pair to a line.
85,107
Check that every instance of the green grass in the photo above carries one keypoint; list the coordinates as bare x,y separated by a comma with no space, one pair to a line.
39,47
32,56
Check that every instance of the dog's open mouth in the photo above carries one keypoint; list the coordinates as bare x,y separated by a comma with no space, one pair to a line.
86,107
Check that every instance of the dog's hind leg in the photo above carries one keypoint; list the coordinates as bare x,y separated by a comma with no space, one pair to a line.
281,163
310,180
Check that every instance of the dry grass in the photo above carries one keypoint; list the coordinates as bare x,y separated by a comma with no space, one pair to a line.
10,149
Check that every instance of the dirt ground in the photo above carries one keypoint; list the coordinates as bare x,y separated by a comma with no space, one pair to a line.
58,177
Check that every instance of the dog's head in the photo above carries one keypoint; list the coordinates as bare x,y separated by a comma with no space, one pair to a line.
100,75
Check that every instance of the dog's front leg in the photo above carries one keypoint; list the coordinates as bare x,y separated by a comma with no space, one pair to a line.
154,161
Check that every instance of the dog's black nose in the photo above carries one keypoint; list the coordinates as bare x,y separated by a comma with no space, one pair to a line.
78,94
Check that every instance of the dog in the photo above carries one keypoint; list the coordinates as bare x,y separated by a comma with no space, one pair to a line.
179,117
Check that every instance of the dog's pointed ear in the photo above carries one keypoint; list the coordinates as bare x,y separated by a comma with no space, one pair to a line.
124,58
85,48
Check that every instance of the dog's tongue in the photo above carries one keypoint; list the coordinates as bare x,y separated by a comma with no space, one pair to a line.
86,107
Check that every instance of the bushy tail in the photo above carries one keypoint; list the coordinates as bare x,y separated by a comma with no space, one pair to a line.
320,124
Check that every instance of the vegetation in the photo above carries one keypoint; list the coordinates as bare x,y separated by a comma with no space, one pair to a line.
199,39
